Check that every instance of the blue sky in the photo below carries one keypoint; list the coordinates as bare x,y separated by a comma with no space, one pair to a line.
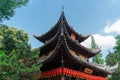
101,18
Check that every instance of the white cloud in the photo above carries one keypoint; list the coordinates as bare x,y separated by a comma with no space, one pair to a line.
87,43
105,42
115,27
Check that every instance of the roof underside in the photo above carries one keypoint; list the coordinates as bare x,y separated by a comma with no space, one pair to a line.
51,33
63,43
73,45
64,29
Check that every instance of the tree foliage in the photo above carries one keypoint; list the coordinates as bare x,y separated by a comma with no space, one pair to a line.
113,57
12,38
17,60
7,8
98,58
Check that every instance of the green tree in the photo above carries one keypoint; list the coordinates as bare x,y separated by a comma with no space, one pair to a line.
11,38
12,68
17,60
113,57
98,58
8,66
7,8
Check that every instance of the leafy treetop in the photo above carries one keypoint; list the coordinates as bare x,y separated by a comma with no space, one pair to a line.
7,8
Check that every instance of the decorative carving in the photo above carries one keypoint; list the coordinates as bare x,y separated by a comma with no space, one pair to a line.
88,71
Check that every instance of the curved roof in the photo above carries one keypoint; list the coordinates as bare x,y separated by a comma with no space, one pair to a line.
74,45
52,54
91,65
51,33
79,48
73,56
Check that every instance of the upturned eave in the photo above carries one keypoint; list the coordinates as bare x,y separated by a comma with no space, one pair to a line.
51,33
84,62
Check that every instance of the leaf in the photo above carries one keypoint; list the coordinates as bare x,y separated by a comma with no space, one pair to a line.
1,54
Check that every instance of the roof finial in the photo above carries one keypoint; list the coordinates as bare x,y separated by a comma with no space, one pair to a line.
62,8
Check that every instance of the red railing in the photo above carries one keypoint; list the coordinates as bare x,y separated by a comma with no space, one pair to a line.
69,72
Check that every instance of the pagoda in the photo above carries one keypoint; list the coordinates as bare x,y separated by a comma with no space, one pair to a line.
64,58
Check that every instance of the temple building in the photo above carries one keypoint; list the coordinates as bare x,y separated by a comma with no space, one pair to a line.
64,58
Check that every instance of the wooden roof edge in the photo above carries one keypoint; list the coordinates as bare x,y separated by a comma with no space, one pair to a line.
37,37
53,53
50,31
90,51
111,69
93,52
41,37
48,43
80,60
59,31
80,37
52,39
88,64
56,48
